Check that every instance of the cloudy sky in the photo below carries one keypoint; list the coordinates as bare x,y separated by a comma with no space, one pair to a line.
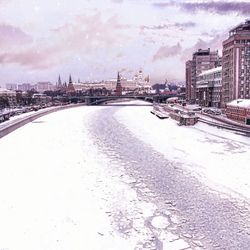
93,39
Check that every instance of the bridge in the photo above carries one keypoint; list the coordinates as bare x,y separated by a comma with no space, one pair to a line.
97,100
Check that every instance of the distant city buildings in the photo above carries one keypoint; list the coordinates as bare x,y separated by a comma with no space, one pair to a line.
7,97
24,87
44,86
138,83
11,86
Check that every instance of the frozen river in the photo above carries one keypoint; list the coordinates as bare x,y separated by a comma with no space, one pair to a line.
120,178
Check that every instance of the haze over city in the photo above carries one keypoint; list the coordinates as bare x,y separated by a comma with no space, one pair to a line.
92,39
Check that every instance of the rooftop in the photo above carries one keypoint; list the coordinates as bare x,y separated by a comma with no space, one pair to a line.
242,28
244,103
6,91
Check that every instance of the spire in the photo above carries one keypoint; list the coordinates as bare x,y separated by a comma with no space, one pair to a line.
59,81
118,78
70,79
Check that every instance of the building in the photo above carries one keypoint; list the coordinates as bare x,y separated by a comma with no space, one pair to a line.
202,60
239,110
118,85
25,87
44,86
190,93
59,83
236,64
7,98
11,86
209,88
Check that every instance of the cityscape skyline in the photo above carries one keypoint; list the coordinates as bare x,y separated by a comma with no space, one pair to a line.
95,40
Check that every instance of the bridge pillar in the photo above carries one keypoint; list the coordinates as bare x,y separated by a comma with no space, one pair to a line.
87,100
155,99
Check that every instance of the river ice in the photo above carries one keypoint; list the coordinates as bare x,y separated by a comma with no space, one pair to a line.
58,191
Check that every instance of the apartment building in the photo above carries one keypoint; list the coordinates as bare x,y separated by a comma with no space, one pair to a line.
202,60
236,64
209,88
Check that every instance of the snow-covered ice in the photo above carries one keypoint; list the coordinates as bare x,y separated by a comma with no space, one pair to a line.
58,191
218,157
54,192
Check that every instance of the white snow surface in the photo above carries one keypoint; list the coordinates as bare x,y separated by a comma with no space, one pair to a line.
58,192
218,157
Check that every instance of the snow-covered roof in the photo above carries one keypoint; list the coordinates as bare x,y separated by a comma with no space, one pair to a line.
244,103
6,92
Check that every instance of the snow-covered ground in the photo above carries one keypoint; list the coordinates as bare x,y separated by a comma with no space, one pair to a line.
219,157
58,191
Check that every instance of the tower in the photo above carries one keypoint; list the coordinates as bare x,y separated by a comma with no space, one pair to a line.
59,82
118,85
70,79
140,75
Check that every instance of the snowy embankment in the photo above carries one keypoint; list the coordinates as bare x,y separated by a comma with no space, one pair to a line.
54,192
17,121
219,158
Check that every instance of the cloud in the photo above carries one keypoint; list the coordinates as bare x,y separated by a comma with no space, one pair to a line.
220,7
167,51
214,44
84,37
185,25
91,32
11,35
180,26
30,58
164,5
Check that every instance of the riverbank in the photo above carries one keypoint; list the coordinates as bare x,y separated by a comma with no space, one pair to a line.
19,121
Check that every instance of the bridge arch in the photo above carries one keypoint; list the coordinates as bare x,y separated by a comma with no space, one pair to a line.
103,99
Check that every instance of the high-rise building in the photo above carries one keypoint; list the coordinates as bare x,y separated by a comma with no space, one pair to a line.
190,91
202,60
236,64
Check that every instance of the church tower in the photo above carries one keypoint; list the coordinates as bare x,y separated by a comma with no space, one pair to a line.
70,79
70,88
59,82
118,85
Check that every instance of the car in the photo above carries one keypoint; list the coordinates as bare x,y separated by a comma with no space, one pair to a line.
212,111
